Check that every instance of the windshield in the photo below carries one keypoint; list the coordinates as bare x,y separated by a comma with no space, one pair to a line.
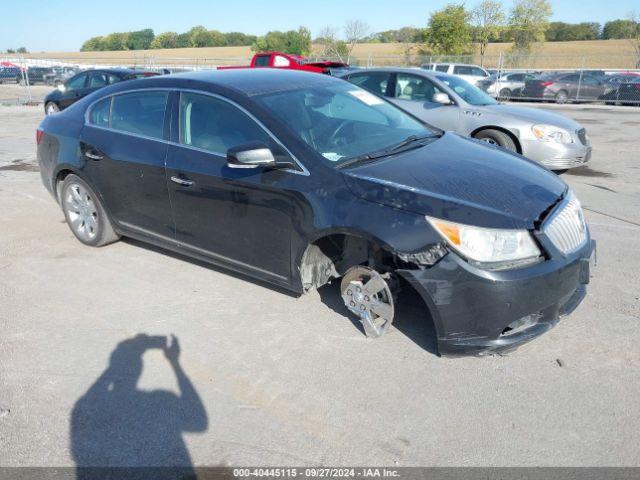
342,121
468,92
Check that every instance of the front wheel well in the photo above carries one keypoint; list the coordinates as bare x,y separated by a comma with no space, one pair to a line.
330,256
501,129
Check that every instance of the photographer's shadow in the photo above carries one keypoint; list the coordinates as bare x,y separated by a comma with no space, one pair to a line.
116,425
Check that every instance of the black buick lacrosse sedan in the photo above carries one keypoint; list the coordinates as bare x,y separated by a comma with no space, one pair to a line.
297,179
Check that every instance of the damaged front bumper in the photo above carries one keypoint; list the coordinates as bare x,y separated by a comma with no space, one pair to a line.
477,311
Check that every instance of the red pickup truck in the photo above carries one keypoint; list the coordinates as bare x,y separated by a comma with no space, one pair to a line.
288,61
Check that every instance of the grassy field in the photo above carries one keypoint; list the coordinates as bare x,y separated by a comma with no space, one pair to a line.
590,54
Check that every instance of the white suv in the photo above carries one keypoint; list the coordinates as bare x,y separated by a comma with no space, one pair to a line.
471,73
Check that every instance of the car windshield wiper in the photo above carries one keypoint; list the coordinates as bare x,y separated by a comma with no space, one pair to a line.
412,140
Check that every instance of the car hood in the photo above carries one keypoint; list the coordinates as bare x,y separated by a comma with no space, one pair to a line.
534,116
462,180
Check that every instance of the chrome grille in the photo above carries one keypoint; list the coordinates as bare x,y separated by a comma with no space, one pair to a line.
582,135
566,228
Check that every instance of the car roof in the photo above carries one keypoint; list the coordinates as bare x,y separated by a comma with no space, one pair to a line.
255,81
419,71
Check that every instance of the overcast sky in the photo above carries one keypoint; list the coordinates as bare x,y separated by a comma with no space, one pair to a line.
63,25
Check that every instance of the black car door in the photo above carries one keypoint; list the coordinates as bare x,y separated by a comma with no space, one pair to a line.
74,89
241,217
124,145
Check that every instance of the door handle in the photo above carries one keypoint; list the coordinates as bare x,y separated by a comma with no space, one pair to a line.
90,151
93,156
182,181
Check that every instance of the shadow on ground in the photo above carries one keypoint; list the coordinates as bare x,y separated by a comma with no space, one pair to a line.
412,317
116,425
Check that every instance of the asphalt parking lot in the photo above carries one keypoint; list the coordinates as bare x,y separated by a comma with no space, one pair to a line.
264,378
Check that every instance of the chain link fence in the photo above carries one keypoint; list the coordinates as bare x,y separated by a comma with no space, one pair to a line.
610,79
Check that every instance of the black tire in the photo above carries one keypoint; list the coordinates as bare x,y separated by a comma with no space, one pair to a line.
505,93
496,137
560,172
51,108
74,187
562,97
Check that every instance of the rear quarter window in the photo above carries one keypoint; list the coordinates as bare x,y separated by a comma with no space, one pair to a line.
99,114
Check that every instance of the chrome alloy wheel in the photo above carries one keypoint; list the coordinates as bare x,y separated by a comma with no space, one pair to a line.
81,211
368,295
490,141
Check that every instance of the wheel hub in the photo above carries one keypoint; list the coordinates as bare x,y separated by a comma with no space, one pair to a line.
366,294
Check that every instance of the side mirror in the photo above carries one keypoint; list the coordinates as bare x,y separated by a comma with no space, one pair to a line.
442,98
250,155
61,87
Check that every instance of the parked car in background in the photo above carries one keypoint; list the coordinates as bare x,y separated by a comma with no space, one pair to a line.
9,74
471,73
289,61
450,103
297,179
505,85
34,75
563,87
59,75
626,91
86,82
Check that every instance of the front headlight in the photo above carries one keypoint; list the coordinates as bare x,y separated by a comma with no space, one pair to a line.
549,133
492,247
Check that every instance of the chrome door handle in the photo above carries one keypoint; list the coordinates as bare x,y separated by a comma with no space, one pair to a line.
93,156
182,181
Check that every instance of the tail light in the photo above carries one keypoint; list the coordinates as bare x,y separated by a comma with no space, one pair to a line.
39,134
546,84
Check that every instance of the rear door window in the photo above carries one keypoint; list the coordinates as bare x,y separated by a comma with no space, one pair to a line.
375,82
262,61
98,79
442,68
478,72
77,82
141,113
462,70
413,87
215,125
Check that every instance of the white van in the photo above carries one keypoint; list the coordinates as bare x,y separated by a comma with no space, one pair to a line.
471,73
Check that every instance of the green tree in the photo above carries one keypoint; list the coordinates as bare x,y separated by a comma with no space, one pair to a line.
10,50
94,44
487,18
619,29
199,37
165,40
183,40
294,41
115,41
528,22
566,32
140,40
22,50
449,30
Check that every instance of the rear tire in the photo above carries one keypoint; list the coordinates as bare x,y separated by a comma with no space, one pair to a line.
51,108
505,94
85,214
562,97
496,137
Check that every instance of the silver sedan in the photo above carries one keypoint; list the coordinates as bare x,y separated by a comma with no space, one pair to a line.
450,103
